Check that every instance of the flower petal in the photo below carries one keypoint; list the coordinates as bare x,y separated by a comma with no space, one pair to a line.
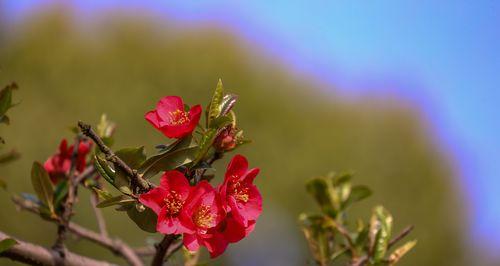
176,181
250,175
237,167
152,117
154,199
169,104
216,244
191,242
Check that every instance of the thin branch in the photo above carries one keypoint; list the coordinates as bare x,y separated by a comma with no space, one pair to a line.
37,255
360,261
173,248
87,173
136,179
115,245
345,233
150,251
401,235
162,248
94,198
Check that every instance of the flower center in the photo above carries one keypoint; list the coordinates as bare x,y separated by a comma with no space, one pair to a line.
239,192
203,217
174,203
178,117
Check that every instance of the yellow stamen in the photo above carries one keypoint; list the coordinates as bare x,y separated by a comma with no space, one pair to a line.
202,217
174,203
178,117
239,192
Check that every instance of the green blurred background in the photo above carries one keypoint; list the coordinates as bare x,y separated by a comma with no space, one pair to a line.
122,65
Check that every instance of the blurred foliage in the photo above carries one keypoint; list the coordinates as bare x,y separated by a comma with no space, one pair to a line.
122,64
330,239
5,104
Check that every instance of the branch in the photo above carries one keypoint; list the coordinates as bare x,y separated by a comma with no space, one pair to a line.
161,249
94,198
401,235
151,251
360,261
115,245
37,255
136,179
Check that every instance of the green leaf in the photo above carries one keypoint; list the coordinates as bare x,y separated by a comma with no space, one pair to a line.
380,232
321,189
118,200
341,178
6,98
105,128
60,193
133,157
215,105
9,157
7,244
205,144
103,194
401,251
183,153
42,185
227,103
361,236
145,218
221,122
104,169
358,193
317,237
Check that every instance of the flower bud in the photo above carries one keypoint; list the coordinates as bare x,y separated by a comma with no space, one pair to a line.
226,140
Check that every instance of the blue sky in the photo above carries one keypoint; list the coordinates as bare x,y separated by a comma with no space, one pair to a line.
444,56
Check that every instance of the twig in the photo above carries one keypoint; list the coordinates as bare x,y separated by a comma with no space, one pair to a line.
345,233
360,261
150,251
87,173
101,223
37,255
401,235
115,245
161,249
136,179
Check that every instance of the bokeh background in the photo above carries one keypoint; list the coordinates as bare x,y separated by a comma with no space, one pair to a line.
402,93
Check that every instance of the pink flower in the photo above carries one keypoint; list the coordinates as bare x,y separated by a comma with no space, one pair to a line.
201,214
59,164
170,118
238,193
167,201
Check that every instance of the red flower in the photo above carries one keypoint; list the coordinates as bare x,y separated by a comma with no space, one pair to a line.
59,164
202,213
170,118
238,193
233,231
167,201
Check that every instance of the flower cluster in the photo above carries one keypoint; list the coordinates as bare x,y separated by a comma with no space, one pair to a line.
204,215
59,164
